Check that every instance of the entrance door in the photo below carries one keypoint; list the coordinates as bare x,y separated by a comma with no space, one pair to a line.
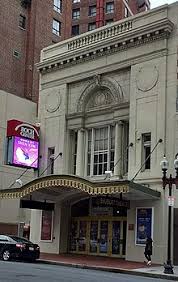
104,237
78,236
98,236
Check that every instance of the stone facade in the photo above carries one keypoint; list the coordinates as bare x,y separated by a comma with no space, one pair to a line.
108,103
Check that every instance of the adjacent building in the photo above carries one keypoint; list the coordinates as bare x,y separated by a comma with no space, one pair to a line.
27,26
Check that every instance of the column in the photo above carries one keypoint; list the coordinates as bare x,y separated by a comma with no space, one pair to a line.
118,150
80,153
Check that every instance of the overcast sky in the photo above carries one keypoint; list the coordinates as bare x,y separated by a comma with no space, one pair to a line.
156,3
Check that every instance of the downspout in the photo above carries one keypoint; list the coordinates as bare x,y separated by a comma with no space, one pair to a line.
30,46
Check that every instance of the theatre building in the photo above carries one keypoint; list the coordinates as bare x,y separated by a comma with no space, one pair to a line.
107,113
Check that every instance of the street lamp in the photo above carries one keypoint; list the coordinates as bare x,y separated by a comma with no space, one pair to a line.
168,268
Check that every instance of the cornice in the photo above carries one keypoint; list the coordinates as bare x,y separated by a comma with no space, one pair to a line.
158,30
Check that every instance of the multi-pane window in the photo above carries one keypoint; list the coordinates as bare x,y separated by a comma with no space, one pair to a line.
56,27
75,30
75,14
75,1
22,21
100,154
146,150
109,7
91,26
58,6
50,168
92,11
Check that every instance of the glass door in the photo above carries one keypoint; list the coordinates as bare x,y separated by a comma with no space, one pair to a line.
73,236
103,239
116,231
82,240
93,236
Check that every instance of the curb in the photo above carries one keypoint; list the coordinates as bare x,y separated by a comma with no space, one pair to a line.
110,269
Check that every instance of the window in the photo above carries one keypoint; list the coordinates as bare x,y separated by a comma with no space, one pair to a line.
50,169
58,6
75,1
100,154
91,26
4,238
76,14
110,21
146,150
109,7
22,21
92,11
75,30
56,27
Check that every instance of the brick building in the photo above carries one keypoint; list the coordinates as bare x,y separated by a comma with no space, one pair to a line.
32,25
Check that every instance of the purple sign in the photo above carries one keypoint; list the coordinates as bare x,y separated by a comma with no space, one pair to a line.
25,152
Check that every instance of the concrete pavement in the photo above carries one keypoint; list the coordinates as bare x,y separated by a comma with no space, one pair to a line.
109,264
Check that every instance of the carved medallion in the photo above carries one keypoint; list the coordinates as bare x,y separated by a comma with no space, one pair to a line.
53,101
146,78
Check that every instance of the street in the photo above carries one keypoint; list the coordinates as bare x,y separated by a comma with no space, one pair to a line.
28,272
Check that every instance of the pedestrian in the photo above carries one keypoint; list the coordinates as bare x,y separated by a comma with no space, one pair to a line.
148,250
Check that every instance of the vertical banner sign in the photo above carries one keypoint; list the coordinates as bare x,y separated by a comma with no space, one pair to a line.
144,225
46,225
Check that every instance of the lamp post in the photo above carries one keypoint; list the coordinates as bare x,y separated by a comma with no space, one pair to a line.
168,268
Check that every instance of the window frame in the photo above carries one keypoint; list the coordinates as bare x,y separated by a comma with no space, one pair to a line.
51,157
111,9
77,16
22,21
90,24
90,12
146,145
75,25
56,31
57,6
90,165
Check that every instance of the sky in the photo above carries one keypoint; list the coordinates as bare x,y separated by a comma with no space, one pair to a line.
156,3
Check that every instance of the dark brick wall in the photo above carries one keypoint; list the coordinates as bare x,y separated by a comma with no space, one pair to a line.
19,76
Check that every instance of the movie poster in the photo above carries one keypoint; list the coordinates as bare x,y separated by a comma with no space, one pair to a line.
46,225
144,225
25,152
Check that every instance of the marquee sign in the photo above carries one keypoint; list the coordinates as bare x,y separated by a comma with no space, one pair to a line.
110,202
22,129
22,144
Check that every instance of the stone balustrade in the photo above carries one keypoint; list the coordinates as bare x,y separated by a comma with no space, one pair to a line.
96,36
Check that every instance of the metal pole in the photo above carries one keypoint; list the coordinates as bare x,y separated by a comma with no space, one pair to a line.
168,268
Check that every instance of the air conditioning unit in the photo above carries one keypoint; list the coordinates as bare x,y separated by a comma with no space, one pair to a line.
26,3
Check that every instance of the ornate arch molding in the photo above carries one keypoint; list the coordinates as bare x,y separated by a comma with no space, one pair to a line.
114,92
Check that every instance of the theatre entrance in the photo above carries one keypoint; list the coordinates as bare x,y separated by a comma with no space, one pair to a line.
98,230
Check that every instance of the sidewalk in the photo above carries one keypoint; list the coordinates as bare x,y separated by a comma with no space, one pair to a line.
108,264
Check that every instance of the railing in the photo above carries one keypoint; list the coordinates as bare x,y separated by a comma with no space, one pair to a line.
94,37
